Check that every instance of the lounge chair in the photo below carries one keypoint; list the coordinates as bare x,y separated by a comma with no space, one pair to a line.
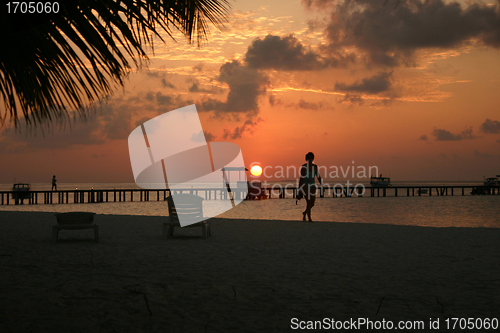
187,207
75,221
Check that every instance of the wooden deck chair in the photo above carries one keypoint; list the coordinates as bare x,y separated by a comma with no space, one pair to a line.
75,221
188,207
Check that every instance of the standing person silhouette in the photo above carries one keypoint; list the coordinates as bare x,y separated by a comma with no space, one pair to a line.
54,185
307,186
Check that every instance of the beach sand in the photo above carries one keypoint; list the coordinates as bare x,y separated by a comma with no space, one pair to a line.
251,276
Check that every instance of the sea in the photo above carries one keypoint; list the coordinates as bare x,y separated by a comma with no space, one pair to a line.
468,211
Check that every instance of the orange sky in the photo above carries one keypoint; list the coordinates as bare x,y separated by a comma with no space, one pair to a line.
397,87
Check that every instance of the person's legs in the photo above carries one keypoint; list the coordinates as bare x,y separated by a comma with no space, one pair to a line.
308,210
306,195
310,199
310,205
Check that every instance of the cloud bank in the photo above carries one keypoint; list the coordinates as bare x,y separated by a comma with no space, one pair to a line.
372,85
246,85
490,126
444,135
283,53
390,31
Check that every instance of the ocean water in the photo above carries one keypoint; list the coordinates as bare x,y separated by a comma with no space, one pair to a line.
432,211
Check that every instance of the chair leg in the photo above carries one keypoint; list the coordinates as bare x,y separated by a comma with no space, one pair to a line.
96,233
168,231
205,231
55,233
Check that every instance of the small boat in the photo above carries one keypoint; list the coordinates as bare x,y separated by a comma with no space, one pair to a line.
493,181
488,186
380,181
21,191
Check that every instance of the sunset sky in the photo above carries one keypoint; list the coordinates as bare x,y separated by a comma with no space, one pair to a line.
410,87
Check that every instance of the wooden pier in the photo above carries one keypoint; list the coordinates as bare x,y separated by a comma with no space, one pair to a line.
115,195
394,191
272,192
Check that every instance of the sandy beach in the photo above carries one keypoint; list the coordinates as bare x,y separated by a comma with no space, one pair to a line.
251,276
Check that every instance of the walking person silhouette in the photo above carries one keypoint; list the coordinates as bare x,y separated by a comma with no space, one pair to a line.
307,186
54,185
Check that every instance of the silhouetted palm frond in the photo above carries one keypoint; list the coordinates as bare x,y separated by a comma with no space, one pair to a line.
52,62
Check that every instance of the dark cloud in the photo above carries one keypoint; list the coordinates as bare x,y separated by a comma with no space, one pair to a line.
245,87
167,102
444,135
274,101
110,120
305,105
237,133
482,155
424,137
212,104
309,105
195,87
198,137
282,53
318,4
166,84
55,137
382,103
378,83
351,100
161,77
390,31
490,126
288,53
115,120
164,99
209,136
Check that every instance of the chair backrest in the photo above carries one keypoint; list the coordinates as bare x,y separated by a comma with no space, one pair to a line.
187,207
75,218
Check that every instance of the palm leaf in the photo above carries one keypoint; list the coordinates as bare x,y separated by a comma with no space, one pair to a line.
50,63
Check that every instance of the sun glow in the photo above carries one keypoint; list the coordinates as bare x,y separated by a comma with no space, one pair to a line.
256,170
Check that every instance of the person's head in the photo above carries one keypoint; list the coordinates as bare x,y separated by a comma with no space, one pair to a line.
309,157
54,176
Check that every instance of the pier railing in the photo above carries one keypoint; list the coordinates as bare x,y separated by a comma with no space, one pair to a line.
394,191
115,195
272,192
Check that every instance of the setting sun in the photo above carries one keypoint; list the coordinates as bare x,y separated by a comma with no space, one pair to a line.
256,170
